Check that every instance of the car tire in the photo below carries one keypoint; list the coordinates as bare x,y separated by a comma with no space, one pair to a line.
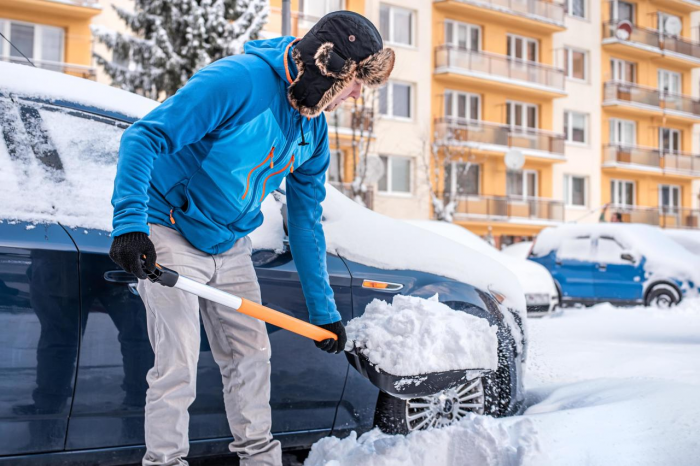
482,395
662,296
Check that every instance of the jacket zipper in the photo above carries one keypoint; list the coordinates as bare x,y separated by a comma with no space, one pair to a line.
250,173
291,162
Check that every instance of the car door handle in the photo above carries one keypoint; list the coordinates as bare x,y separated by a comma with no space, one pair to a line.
120,276
602,267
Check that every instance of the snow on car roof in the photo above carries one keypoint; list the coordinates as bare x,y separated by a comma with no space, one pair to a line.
664,257
49,85
689,239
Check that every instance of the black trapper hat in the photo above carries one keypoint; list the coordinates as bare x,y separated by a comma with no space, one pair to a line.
341,46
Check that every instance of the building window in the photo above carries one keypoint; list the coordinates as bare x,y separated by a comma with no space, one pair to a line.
575,64
622,193
664,19
462,108
317,9
521,183
462,35
575,190
396,25
669,197
37,42
576,8
623,12
623,71
462,179
397,175
669,140
576,127
669,82
521,116
522,48
623,133
395,100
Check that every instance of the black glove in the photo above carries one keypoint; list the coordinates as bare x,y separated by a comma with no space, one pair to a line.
330,345
128,249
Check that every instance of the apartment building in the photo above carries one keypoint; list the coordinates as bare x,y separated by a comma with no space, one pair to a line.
494,87
53,34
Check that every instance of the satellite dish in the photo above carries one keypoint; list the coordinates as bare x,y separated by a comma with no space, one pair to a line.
623,30
515,159
673,26
375,169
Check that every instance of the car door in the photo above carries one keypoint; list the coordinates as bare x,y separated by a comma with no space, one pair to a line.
573,269
617,274
39,321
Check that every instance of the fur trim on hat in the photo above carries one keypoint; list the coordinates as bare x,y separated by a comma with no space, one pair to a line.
322,58
374,70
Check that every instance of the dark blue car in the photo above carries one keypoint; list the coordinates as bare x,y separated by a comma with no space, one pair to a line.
625,264
73,339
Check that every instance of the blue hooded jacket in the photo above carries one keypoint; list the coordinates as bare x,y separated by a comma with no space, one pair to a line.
205,159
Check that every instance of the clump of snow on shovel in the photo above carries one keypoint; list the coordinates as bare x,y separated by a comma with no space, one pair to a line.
413,336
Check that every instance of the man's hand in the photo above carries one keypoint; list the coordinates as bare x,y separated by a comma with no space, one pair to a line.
128,249
330,345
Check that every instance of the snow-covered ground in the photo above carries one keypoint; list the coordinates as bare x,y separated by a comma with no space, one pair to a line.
605,386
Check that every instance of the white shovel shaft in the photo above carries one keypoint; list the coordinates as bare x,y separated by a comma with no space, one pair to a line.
208,292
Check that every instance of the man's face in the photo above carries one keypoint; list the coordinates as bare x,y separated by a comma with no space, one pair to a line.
354,91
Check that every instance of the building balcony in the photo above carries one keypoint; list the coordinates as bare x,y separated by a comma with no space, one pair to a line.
664,217
492,137
652,101
349,117
498,72
81,71
651,159
685,6
646,43
509,208
535,15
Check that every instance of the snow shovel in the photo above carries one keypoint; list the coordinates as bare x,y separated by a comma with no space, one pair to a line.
399,386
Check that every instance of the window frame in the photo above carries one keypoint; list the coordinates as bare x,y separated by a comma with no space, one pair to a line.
510,47
454,40
510,116
568,63
37,55
568,191
614,122
671,188
569,127
454,117
388,175
614,184
618,66
453,179
569,9
678,137
526,195
390,40
390,101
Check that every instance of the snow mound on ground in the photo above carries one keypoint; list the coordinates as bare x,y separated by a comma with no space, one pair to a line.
664,257
413,336
52,86
476,440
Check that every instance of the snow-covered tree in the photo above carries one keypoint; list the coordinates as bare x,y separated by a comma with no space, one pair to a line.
171,39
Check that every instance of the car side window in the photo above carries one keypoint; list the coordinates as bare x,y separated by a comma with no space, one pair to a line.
578,249
609,251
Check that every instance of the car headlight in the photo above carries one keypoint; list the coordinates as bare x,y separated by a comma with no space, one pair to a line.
536,299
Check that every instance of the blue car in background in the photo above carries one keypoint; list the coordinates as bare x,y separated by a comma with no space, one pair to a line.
73,338
625,264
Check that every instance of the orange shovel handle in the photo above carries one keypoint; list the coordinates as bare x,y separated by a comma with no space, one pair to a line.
284,321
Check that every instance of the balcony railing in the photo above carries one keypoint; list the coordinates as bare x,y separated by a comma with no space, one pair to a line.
627,92
653,38
349,117
501,66
651,157
509,207
82,71
665,217
537,9
469,132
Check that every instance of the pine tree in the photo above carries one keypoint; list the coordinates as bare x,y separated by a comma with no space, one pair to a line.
171,39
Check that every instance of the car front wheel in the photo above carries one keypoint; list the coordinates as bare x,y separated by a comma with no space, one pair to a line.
398,416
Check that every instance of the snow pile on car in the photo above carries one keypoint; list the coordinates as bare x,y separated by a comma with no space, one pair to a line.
664,257
412,336
476,440
689,239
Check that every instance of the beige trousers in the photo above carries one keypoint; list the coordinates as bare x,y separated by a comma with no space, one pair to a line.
239,345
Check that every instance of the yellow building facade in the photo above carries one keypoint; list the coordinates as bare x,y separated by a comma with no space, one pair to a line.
54,35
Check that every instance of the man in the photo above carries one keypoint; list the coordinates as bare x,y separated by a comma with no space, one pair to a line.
191,177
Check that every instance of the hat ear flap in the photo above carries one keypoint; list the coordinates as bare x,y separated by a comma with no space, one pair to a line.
374,70
331,64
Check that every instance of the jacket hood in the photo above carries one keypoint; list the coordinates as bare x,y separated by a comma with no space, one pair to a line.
272,51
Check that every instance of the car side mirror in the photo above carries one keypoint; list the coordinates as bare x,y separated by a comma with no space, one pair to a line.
626,256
